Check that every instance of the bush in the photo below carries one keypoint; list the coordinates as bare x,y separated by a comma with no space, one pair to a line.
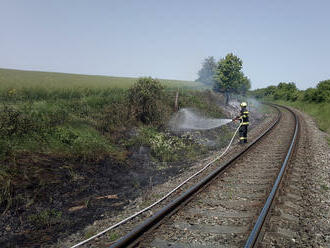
286,91
323,91
289,92
13,122
310,95
37,118
318,95
145,98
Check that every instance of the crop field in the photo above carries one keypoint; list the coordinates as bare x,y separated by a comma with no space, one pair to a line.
17,79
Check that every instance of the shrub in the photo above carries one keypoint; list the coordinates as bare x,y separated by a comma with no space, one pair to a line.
13,122
323,91
286,91
37,118
310,95
145,100
318,95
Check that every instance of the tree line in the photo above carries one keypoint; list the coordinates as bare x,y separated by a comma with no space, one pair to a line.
289,92
224,76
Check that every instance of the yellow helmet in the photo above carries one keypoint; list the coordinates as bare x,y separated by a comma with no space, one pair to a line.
243,104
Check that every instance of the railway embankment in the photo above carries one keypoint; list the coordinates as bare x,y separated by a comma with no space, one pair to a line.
300,214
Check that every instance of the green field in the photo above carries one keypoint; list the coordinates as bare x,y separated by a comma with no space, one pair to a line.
75,115
319,111
18,79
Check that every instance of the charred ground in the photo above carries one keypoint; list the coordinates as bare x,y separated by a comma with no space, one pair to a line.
69,157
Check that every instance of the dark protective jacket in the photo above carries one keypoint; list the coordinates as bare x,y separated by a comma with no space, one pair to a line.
244,116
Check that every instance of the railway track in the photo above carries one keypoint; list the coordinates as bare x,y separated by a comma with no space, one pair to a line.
221,209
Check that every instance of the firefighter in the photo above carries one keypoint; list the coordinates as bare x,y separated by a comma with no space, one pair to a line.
244,120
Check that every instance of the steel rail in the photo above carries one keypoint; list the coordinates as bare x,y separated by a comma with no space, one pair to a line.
161,199
150,222
254,235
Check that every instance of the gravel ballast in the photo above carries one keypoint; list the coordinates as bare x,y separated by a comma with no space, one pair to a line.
301,217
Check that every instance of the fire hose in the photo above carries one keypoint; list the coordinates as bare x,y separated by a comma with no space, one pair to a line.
161,199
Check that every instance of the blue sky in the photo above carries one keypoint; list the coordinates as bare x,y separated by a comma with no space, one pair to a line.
277,40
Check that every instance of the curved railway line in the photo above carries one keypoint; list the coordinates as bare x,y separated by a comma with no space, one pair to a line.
228,206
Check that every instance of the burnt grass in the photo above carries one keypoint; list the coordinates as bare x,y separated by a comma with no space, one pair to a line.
54,197
53,187
46,194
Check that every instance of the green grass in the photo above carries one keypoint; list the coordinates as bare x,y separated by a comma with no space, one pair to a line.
76,116
50,81
47,117
319,111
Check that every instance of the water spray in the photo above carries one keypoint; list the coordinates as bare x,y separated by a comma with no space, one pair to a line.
189,119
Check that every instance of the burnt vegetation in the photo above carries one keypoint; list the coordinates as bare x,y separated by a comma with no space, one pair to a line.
62,148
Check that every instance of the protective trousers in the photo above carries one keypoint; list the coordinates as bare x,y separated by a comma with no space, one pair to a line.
243,133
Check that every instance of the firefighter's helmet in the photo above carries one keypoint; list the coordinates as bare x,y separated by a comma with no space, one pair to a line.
243,104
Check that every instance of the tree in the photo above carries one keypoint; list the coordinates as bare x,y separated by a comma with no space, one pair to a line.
270,90
229,78
206,74
320,94
323,91
286,91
